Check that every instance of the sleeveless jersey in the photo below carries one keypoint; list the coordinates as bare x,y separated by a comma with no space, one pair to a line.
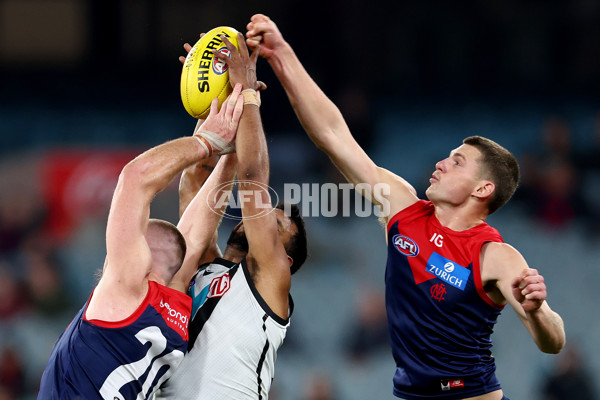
234,337
440,318
121,360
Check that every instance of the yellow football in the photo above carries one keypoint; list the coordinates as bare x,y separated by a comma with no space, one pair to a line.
204,76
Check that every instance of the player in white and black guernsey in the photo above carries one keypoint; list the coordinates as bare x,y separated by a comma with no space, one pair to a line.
234,338
241,301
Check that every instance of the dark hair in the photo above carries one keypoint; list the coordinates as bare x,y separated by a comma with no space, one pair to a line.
499,166
297,246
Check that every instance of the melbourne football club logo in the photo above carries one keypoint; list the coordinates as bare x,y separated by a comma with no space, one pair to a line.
220,67
438,292
405,245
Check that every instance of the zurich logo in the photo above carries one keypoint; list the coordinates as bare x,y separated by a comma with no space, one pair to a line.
405,245
448,271
449,267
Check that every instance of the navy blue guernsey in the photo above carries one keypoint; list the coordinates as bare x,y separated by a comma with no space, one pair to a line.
440,318
123,360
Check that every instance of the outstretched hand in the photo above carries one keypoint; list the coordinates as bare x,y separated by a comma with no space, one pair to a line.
187,47
242,65
529,289
224,122
247,63
263,32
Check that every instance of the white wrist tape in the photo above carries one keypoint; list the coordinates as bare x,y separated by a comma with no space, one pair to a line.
204,143
250,97
219,145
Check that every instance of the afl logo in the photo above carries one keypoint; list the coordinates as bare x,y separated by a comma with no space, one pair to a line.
220,67
405,245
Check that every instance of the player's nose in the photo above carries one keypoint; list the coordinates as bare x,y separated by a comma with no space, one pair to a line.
440,166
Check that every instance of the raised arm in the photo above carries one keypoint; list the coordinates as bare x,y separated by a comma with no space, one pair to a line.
128,263
266,254
129,259
201,218
525,290
193,177
321,118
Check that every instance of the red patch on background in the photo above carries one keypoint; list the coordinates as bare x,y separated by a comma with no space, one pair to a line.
79,183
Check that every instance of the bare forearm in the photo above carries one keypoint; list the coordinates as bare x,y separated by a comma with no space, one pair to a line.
192,179
252,151
547,329
221,180
158,166
207,205
201,219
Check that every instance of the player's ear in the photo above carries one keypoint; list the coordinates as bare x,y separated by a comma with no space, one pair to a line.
484,190
290,260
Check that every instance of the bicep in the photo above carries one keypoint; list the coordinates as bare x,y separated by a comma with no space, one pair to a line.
501,263
261,228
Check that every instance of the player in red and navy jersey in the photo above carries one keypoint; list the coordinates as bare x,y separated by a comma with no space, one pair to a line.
448,273
133,330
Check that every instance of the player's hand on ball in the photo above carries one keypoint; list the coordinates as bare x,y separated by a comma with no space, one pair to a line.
187,47
221,126
264,33
529,289
204,76
242,65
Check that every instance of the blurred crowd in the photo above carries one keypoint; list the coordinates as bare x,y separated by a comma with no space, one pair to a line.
560,180
569,379
78,89
40,291
31,283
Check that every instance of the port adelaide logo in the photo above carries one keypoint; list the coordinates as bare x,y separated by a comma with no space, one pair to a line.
405,245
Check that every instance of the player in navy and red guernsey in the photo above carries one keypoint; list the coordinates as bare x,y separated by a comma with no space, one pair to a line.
133,330
448,273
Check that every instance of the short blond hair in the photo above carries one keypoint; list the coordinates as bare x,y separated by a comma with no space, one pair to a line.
172,234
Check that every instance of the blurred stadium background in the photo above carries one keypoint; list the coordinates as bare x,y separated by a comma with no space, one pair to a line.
87,84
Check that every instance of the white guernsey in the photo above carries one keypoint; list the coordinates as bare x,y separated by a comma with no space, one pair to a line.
233,334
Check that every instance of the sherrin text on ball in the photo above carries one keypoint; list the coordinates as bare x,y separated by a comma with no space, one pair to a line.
204,76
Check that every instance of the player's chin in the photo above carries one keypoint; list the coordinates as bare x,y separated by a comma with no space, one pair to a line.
430,193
